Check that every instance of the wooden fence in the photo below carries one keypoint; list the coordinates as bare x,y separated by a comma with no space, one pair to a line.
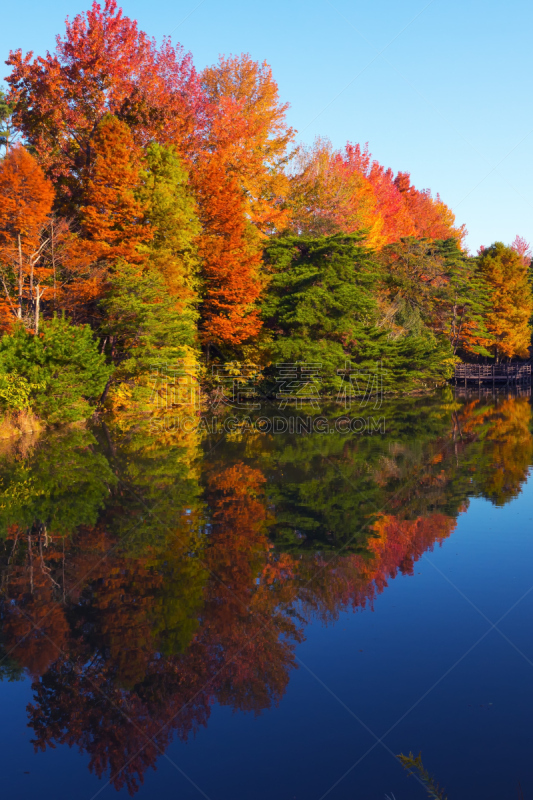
495,374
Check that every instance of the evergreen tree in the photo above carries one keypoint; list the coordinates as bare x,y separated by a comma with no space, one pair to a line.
464,302
434,285
7,130
145,333
321,307
172,213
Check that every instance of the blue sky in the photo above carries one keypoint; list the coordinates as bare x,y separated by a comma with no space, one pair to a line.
440,89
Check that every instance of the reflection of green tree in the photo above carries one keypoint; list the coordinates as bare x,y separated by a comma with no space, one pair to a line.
176,615
325,489
157,516
10,669
158,498
62,481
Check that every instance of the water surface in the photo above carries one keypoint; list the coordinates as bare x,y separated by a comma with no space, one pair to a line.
248,615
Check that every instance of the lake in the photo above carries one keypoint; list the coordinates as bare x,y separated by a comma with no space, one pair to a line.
270,611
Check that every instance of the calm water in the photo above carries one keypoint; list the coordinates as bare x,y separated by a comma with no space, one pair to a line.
263,616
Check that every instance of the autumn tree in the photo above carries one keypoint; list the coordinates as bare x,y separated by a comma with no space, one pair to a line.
111,217
26,198
434,284
230,260
328,196
432,218
102,65
523,248
241,186
110,221
511,304
345,191
247,127
397,222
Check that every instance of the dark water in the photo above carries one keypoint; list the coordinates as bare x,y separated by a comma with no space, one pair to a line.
249,615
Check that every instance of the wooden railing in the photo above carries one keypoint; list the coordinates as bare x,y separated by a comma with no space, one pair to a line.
510,374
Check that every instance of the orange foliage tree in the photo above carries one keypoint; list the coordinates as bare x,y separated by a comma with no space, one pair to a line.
330,195
110,222
346,191
432,219
111,217
26,198
230,260
241,188
249,130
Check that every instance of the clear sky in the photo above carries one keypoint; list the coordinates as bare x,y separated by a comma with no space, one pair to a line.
440,89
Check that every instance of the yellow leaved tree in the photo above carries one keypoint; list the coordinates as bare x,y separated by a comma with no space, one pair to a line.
508,318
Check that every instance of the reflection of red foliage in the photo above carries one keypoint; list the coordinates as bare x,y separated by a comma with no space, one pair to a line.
106,687
34,627
110,692
243,612
353,581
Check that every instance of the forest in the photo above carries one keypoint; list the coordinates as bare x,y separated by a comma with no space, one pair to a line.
154,215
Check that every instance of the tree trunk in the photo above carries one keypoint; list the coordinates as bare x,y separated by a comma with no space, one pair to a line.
19,313
38,294
52,234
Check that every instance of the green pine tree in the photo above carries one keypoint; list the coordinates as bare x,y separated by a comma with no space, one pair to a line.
173,215
146,332
321,306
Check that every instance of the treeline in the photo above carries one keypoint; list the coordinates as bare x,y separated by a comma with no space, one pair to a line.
150,213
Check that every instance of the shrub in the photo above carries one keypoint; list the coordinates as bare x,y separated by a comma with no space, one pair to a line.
57,372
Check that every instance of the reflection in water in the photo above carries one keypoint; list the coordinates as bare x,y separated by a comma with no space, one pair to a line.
144,579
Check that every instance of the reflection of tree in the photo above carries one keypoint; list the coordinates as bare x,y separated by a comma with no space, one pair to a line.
34,627
502,447
240,655
329,586
112,690
60,481
244,618
166,598
327,489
